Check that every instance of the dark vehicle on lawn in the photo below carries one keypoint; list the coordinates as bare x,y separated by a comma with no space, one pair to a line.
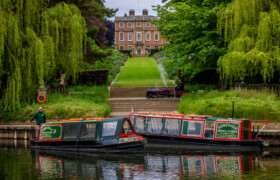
93,135
166,93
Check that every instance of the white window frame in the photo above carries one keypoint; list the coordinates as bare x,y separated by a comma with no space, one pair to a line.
122,25
128,36
140,36
121,48
157,36
139,23
147,36
148,24
130,24
122,36
130,47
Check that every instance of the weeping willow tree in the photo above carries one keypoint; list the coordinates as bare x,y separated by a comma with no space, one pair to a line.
252,30
36,43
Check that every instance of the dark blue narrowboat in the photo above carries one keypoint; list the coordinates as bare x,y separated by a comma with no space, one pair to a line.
202,132
113,135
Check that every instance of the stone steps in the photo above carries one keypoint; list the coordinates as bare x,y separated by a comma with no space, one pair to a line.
144,104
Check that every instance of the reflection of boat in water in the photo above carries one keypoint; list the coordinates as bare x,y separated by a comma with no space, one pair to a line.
197,132
113,135
142,166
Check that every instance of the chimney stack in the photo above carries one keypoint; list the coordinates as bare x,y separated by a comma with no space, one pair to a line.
125,15
131,12
145,12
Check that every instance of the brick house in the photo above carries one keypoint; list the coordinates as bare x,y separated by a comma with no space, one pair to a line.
137,34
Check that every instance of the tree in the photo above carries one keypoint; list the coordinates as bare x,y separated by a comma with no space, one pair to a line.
252,30
191,28
110,34
37,42
95,14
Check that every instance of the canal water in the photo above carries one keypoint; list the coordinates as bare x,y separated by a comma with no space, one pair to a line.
18,161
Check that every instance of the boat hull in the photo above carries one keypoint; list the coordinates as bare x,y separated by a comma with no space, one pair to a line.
171,143
90,146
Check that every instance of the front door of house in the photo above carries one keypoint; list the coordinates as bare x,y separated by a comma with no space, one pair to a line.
139,50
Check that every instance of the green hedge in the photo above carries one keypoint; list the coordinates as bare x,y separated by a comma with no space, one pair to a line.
127,52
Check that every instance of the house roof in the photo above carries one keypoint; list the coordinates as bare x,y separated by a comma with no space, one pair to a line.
136,18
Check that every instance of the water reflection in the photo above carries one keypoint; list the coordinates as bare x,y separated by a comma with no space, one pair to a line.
36,164
143,166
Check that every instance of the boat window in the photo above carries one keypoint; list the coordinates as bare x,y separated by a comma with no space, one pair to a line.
88,131
70,132
139,124
209,129
192,128
126,129
172,126
109,128
155,125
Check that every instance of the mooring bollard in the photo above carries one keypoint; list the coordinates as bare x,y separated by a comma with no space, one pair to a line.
15,135
25,134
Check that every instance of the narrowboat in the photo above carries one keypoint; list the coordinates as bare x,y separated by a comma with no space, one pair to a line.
176,130
111,135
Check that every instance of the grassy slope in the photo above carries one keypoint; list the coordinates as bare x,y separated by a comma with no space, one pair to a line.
71,106
140,72
250,105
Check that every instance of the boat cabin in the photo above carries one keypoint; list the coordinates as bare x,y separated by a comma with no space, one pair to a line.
191,126
90,131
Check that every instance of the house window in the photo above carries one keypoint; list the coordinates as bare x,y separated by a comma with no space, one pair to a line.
129,25
121,25
138,24
155,26
130,48
121,36
148,35
121,47
130,36
148,24
156,36
156,47
139,36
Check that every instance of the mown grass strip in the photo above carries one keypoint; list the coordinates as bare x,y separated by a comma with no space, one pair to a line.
249,105
140,72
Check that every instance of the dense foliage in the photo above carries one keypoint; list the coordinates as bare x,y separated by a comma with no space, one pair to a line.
36,42
110,34
252,30
191,28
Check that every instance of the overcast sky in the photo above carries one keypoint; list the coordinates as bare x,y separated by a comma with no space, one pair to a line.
138,5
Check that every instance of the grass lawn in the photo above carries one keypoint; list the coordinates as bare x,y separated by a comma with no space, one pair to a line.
141,72
69,106
249,105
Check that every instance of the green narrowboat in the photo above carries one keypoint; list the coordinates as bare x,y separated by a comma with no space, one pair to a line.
178,129
90,135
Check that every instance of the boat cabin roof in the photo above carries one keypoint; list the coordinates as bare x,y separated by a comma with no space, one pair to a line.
72,130
183,116
88,120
